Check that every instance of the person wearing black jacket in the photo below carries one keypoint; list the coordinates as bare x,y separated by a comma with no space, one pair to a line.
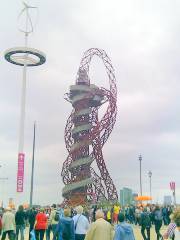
158,217
145,221
31,219
20,218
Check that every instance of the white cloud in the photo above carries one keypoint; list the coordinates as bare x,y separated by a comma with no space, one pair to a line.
142,40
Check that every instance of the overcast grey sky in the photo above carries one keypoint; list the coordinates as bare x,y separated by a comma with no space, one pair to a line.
142,39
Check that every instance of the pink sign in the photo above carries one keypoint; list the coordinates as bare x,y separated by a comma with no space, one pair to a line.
172,186
20,172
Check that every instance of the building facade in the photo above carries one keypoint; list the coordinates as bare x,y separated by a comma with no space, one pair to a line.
126,196
167,200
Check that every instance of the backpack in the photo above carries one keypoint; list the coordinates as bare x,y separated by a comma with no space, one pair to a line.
56,217
158,216
145,220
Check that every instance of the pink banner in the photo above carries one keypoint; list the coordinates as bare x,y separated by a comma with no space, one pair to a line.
20,172
172,186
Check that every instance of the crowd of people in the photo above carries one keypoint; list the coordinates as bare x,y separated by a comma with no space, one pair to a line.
95,223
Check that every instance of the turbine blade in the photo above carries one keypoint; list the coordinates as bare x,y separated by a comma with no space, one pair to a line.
27,6
24,9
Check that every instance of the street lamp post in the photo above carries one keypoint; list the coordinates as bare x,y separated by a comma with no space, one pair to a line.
150,175
140,174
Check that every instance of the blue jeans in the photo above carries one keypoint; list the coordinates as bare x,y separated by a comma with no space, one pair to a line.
39,234
54,226
48,232
21,229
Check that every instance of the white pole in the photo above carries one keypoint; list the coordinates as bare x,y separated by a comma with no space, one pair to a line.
22,117
23,94
20,179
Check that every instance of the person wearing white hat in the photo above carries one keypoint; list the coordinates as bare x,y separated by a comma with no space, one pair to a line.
81,224
100,229
8,224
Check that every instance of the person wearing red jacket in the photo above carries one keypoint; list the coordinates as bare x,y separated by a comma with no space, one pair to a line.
0,225
40,224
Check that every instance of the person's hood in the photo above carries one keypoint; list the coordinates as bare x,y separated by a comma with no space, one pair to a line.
126,227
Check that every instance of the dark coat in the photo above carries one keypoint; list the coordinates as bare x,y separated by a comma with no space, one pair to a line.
145,220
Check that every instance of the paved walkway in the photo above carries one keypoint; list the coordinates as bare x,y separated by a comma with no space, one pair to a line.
136,229
138,236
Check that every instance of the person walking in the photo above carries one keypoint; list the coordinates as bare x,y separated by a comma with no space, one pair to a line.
53,219
49,228
100,229
31,219
165,215
158,221
173,230
81,224
137,215
8,224
65,227
40,224
116,210
0,225
94,213
145,224
108,216
123,230
20,218
176,219
169,233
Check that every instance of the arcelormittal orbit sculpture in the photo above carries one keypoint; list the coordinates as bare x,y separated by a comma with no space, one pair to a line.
86,134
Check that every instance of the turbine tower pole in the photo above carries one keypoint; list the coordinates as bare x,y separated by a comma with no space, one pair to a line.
23,90
25,57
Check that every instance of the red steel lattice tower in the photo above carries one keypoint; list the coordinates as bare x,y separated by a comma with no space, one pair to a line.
86,134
